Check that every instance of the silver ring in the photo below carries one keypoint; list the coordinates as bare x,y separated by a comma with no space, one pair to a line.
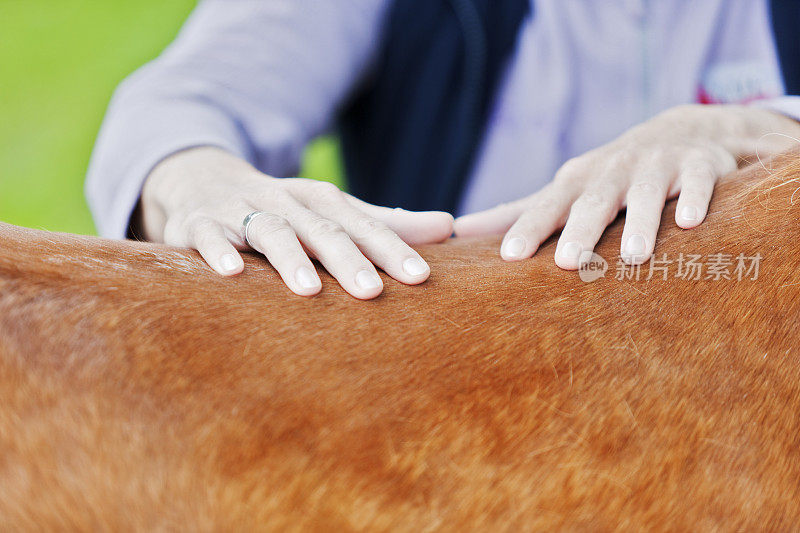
246,224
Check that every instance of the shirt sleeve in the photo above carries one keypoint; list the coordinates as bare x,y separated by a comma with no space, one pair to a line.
785,105
257,78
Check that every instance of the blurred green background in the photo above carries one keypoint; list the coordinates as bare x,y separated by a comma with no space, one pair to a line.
60,61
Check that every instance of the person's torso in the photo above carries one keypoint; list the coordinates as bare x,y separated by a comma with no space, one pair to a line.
584,72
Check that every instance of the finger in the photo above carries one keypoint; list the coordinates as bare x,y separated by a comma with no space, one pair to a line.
379,243
564,187
208,238
645,201
337,252
385,248
546,213
492,221
697,187
588,218
413,227
271,235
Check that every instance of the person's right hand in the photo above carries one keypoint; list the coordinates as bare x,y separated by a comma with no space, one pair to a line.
199,198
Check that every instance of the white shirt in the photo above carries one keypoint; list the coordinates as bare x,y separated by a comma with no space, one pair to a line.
586,71
260,79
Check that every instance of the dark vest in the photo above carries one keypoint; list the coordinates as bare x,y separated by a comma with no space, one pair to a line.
410,137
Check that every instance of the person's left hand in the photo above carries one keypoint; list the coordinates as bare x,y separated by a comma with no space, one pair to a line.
684,150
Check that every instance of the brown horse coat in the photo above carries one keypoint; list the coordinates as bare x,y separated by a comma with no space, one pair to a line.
139,390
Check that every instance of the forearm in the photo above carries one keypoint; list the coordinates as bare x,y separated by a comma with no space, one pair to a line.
141,130
258,79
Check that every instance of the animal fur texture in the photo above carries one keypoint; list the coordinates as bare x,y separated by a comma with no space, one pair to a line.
141,391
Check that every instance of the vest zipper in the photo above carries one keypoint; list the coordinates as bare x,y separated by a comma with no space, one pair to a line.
474,73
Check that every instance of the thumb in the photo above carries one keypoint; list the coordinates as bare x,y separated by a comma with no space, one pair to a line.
414,227
493,221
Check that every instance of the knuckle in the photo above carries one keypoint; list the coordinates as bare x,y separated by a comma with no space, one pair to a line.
204,235
234,205
531,222
193,219
184,228
578,227
517,206
725,160
174,233
645,189
591,201
289,183
270,224
303,189
326,228
699,172
738,123
593,207
659,157
538,205
693,153
621,159
539,209
270,196
571,169
728,164
326,188
366,227
203,225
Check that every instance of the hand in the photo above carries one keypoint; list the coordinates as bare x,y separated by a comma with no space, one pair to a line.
200,197
684,150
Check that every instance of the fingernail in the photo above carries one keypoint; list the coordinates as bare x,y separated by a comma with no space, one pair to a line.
228,262
415,266
368,280
513,247
635,245
689,213
571,251
306,278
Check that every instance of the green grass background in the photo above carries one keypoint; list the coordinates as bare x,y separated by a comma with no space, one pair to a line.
60,61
